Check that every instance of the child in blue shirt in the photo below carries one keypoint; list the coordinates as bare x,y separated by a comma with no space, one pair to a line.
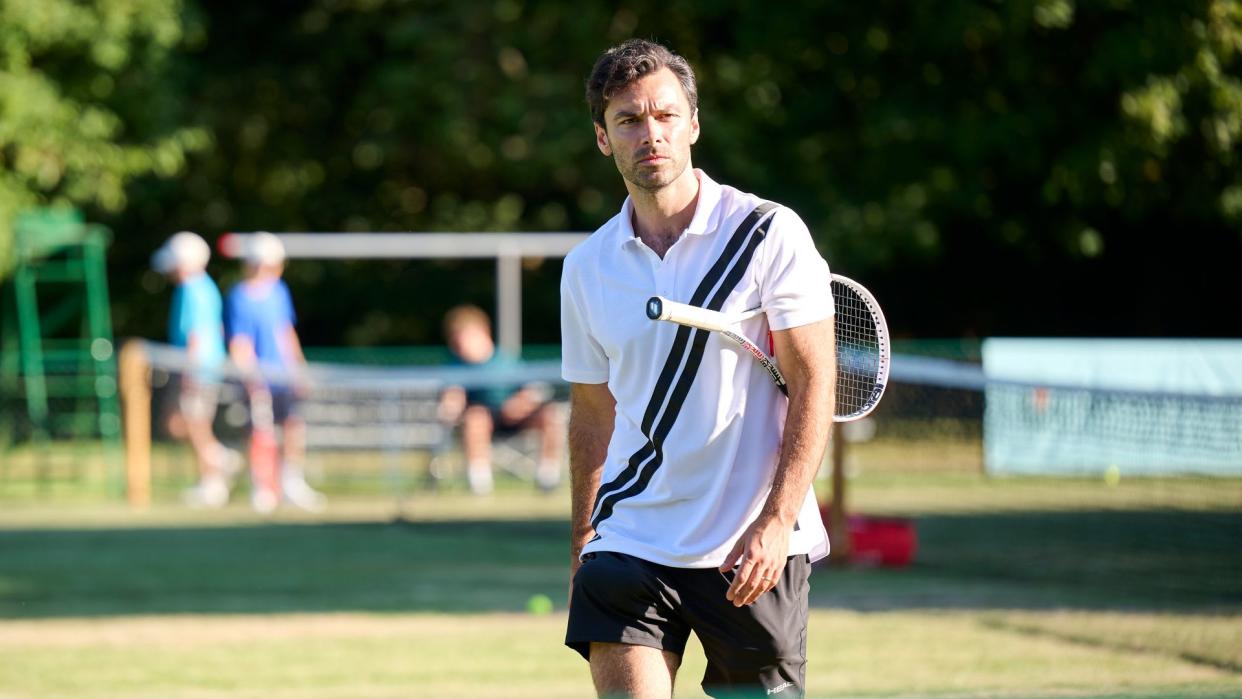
498,408
264,344
195,324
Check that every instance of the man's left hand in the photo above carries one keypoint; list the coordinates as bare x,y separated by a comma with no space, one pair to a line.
762,550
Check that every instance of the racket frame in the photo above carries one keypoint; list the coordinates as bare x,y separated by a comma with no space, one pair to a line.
660,308
884,360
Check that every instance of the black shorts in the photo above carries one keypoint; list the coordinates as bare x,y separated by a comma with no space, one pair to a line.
757,649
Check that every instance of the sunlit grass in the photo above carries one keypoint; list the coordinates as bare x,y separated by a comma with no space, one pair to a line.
1022,587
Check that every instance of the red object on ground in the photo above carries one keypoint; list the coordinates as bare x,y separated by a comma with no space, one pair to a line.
886,541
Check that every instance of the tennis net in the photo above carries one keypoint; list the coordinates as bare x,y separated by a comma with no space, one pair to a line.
380,426
1054,493
1051,427
369,428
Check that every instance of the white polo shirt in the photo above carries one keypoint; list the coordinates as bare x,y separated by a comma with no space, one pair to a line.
698,423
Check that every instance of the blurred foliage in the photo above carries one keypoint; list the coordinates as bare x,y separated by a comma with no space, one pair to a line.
82,107
1021,167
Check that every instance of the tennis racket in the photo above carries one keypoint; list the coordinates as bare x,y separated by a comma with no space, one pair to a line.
862,343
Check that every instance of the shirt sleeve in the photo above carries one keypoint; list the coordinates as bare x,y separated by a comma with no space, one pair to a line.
181,325
582,358
236,322
204,313
797,285
286,300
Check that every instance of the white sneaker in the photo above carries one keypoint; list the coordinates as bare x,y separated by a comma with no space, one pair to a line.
211,493
298,493
480,479
264,501
547,476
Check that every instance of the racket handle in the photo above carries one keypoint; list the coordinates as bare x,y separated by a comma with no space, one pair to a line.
655,308
660,308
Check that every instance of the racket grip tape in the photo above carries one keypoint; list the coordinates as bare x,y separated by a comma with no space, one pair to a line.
660,308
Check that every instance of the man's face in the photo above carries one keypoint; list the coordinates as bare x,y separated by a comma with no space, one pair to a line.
648,130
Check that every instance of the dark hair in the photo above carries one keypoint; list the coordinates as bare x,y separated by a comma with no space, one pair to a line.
629,61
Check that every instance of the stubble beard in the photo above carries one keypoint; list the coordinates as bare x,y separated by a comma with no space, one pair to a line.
651,180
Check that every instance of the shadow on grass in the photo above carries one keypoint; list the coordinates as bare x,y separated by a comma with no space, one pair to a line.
1156,560
432,567
1148,560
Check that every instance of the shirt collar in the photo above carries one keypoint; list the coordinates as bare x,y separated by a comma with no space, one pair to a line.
705,217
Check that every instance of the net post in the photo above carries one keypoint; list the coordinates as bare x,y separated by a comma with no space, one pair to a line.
509,300
838,526
135,385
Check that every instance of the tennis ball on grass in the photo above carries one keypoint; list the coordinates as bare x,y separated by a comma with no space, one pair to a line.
539,604
1112,475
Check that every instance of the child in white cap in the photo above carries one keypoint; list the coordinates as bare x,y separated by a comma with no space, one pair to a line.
195,324
265,346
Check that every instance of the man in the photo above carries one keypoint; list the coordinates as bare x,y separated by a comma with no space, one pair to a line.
264,344
505,409
691,473
195,324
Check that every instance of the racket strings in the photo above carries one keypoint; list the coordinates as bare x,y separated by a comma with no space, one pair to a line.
858,351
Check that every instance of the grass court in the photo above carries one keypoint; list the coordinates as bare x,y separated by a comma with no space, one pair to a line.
1021,588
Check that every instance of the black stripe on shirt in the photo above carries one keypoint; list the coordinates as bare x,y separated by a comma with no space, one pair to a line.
700,295
677,353
654,446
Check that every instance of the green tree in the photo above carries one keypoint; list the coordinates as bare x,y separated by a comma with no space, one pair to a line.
83,107
987,167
